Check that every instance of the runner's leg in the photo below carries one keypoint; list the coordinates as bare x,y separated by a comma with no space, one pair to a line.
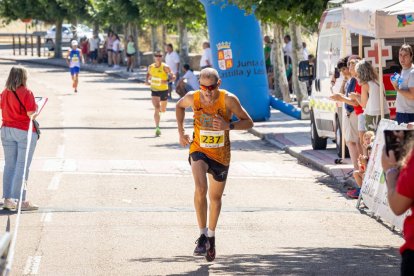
215,193
199,169
163,106
157,107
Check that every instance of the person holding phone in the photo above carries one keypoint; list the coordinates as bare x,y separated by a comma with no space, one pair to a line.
18,107
400,184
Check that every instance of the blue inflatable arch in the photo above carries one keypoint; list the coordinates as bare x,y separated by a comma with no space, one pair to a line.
237,49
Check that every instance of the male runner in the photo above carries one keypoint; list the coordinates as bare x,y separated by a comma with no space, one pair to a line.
210,149
157,76
73,60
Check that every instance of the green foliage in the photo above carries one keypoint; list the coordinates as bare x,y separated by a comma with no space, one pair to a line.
304,12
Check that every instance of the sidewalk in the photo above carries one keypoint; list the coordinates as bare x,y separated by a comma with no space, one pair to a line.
293,136
283,131
139,74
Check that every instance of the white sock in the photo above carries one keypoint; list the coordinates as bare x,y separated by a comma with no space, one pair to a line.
211,233
204,231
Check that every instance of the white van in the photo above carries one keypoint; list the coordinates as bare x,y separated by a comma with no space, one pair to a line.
325,114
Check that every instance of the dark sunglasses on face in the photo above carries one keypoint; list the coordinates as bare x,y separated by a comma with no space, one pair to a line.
157,55
208,88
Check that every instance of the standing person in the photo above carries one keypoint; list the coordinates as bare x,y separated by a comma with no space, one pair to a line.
287,49
400,185
192,81
210,149
206,58
93,48
18,107
370,95
73,60
267,50
116,50
108,46
305,51
158,75
131,53
405,91
85,48
350,121
173,61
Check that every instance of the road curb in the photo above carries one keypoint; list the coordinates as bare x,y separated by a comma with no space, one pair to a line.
89,69
302,158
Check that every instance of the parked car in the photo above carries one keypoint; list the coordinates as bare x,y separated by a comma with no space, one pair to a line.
81,31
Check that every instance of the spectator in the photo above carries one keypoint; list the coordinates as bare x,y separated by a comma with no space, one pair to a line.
267,51
109,45
131,53
400,184
84,49
287,49
305,51
93,48
370,95
116,51
18,107
311,59
188,82
350,122
405,91
206,58
172,59
288,65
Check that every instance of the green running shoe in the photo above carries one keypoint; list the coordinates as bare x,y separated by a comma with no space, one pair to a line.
157,131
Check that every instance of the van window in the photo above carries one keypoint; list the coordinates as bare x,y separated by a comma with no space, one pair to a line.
328,55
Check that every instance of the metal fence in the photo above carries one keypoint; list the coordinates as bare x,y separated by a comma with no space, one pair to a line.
25,44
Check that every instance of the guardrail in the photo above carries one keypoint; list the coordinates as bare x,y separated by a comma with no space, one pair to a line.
21,42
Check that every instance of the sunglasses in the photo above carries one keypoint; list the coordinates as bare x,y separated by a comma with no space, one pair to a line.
157,55
208,88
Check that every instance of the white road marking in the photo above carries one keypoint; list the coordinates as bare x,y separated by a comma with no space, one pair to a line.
61,151
32,265
46,217
54,183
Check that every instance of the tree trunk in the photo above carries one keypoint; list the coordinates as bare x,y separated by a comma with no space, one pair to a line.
74,23
154,38
135,34
279,70
297,55
164,35
96,28
183,43
58,38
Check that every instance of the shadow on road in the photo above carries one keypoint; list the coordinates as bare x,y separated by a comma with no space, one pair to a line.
297,261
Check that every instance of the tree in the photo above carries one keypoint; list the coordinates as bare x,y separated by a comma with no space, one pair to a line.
280,14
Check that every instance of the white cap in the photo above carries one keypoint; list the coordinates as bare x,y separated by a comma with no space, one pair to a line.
74,43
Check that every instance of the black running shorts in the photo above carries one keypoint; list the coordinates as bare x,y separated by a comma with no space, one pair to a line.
217,170
162,94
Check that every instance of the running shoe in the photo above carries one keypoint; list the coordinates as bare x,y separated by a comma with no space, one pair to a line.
28,206
157,131
76,90
202,246
10,205
354,193
211,252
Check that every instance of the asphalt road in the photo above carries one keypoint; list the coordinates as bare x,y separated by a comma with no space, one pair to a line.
116,200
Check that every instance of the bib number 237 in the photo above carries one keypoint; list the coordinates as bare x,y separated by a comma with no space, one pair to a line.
211,139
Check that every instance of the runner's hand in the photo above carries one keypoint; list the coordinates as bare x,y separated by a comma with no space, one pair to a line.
184,140
219,123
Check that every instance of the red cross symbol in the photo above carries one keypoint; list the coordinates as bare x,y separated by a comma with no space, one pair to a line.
371,53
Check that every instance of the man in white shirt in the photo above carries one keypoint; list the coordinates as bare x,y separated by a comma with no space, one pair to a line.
188,82
173,61
287,49
206,58
405,91
305,51
93,48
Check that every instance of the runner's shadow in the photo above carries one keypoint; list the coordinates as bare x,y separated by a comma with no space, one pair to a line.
362,260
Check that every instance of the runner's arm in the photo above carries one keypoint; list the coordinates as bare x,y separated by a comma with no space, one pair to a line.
171,76
182,104
245,121
364,95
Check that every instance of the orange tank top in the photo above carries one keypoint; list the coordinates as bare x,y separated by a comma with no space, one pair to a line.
214,144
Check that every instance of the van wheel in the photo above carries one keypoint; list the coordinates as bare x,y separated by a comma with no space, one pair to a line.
50,45
318,143
338,141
